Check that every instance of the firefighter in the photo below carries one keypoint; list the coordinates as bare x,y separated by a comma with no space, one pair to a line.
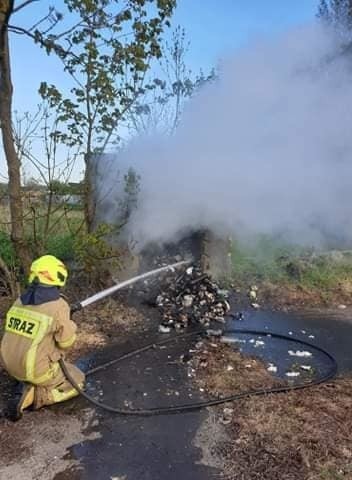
38,332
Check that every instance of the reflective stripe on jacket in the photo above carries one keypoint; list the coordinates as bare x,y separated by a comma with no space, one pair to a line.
34,338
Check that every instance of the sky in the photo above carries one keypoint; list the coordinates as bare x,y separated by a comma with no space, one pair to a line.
215,28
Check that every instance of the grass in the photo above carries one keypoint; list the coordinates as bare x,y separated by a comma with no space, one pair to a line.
57,238
275,262
327,275
259,260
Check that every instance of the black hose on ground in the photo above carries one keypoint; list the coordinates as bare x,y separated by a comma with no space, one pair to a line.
208,403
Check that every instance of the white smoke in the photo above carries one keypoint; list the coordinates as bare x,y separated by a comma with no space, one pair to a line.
267,148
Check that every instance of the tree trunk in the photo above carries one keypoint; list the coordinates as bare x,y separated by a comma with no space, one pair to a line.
13,163
89,195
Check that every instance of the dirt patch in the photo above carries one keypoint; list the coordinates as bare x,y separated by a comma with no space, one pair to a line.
298,296
43,444
222,370
291,296
104,323
303,435
207,437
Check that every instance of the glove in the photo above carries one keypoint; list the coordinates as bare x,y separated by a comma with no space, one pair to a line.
76,307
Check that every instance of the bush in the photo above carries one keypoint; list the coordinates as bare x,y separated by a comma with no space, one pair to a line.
91,249
7,252
62,246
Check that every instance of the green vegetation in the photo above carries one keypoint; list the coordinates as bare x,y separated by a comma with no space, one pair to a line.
62,246
64,235
90,249
259,260
56,236
270,260
334,473
61,188
7,252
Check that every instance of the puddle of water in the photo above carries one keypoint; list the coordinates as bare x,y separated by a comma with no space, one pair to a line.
286,359
329,332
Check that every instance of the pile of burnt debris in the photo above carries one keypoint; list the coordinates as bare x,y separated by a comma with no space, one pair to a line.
192,298
189,296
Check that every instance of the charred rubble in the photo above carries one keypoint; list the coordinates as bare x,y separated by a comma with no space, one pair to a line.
189,296
192,298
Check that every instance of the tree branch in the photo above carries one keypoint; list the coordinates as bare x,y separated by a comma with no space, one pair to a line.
23,5
38,39
42,20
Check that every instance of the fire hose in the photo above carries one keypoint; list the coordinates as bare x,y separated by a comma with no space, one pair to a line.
109,291
189,407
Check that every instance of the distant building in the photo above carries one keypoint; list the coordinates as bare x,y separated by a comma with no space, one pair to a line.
73,200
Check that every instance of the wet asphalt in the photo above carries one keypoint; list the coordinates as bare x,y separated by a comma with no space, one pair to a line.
143,448
161,447
331,331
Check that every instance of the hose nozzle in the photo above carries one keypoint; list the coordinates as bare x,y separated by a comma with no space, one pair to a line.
76,307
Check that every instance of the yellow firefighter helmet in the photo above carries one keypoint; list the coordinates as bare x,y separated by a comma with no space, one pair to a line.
48,270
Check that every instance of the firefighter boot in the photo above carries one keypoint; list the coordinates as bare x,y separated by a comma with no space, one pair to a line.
25,401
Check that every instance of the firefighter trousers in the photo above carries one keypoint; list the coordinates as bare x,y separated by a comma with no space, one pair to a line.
58,388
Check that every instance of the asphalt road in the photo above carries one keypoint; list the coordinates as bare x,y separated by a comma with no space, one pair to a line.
151,448
79,442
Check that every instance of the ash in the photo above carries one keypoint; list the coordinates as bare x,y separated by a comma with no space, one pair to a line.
192,298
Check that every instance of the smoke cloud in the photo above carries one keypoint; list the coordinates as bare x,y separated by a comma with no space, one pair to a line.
265,149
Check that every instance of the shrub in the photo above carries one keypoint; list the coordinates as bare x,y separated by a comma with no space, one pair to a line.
7,252
62,246
91,249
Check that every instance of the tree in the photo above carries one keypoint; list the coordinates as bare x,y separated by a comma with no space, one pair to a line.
48,22
48,190
323,10
160,109
109,55
16,208
109,40
336,13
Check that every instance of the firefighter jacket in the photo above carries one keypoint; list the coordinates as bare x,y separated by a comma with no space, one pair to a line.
35,338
